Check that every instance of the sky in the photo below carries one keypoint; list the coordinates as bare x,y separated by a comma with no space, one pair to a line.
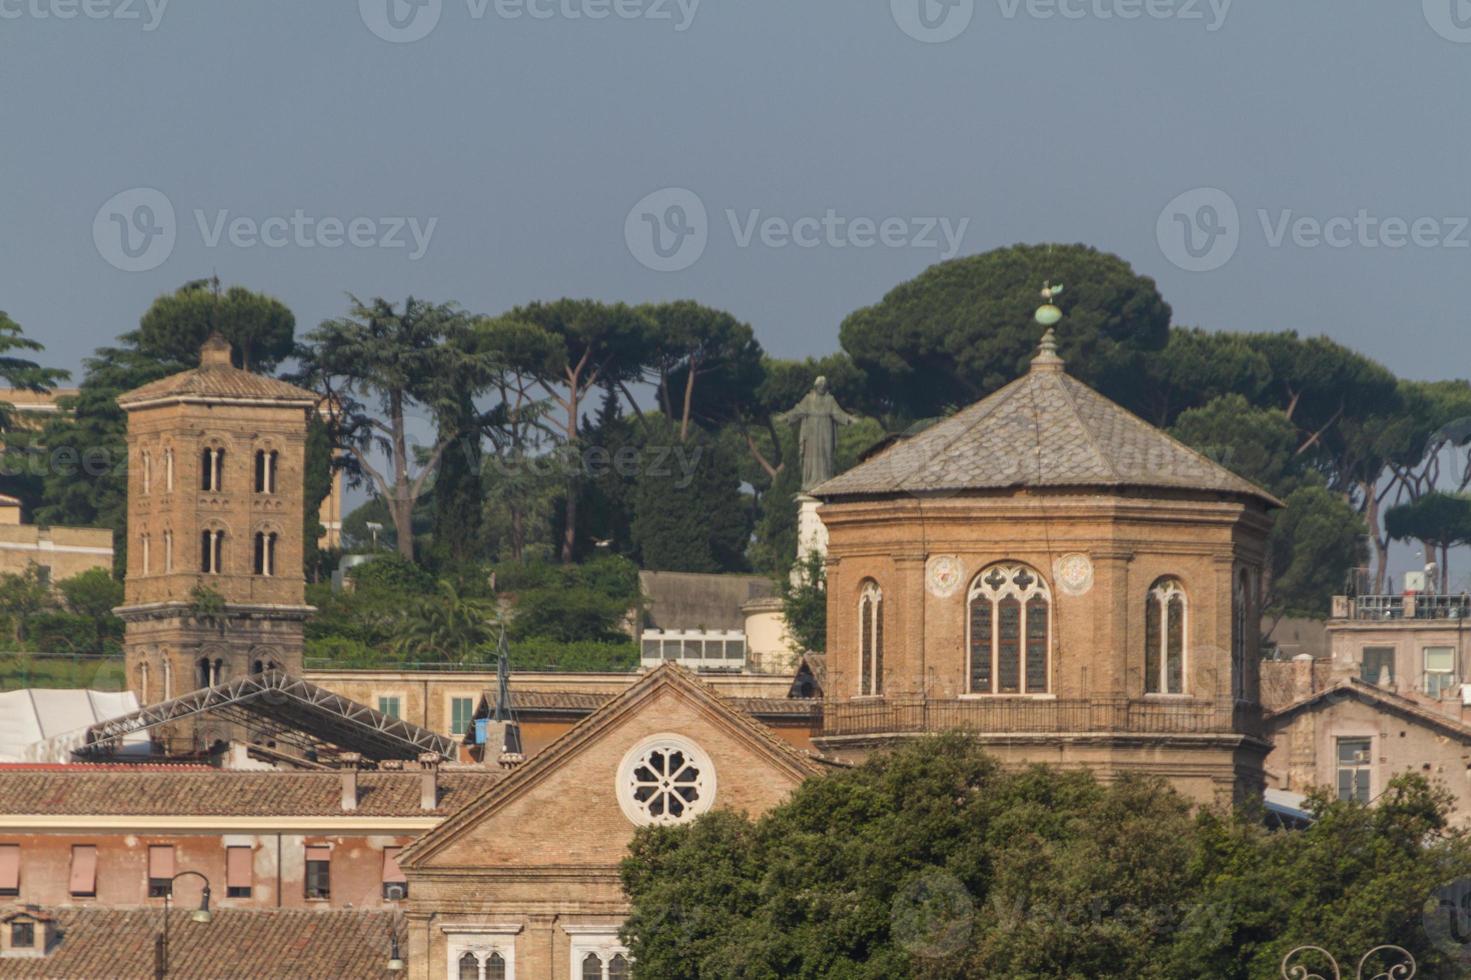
796,159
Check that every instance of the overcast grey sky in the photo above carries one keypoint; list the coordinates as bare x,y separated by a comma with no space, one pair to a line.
518,139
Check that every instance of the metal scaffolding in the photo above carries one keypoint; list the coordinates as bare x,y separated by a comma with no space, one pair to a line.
306,715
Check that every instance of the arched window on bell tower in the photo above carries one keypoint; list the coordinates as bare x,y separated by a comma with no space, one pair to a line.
871,640
266,462
1240,623
1164,638
265,553
211,551
212,469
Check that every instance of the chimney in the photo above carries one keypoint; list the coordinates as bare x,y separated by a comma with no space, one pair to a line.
1302,676
429,780
350,763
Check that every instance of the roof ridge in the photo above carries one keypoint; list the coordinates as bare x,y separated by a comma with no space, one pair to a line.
1088,434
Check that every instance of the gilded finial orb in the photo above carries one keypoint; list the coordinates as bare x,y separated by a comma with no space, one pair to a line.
1049,315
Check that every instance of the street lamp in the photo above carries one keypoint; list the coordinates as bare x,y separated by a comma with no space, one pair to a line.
201,914
395,960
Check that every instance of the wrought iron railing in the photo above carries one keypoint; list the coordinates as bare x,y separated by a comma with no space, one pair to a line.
1040,716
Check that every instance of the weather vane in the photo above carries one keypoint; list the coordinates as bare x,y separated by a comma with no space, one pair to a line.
1048,315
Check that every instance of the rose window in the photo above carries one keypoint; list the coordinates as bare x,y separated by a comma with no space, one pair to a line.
665,780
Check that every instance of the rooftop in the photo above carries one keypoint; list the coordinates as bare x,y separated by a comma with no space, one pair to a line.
184,792
1046,429
217,378
117,944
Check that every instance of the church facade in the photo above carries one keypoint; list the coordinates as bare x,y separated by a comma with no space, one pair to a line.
1052,574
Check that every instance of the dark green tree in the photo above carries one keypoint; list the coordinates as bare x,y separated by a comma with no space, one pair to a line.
22,462
804,604
698,351
260,328
1195,367
400,360
1259,444
92,596
964,328
1315,540
1440,520
690,514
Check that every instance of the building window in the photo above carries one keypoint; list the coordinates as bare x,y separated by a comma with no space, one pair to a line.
592,967
390,706
871,640
1354,766
461,715
1240,624
265,553
144,549
666,779
265,470
160,870
168,551
83,882
239,873
9,870
602,965
480,966
319,872
22,935
168,470
1377,666
1164,638
1010,632
211,552
1440,671
469,967
395,882
147,472
212,470
168,679
43,576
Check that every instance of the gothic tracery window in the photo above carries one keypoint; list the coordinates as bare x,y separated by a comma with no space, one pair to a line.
1010,632
666,779
871,639
1164,638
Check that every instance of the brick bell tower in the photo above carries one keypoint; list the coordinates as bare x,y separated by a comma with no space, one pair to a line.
215,586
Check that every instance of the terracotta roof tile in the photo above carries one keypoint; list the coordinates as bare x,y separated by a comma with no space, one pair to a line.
1046,429
219,381
133,792
117,944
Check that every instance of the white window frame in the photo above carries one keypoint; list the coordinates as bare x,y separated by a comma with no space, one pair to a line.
1368,766
1452,674
378,696
636,812
602,940
481,940
449,713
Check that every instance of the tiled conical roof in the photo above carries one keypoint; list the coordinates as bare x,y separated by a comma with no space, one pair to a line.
1046,429
217,378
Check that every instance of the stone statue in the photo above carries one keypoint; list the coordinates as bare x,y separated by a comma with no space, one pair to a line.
818,417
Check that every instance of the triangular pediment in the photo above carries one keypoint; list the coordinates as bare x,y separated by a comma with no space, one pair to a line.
563,807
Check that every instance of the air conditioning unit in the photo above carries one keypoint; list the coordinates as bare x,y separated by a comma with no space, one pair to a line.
395,892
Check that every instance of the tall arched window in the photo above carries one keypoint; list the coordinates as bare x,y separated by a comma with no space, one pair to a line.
1010,627
168,680
871,639
146,547
211,551
1240,623
1164,638
495,967
618,967
469,967
143,683
592,967
212,470
265,553
265,470
147,471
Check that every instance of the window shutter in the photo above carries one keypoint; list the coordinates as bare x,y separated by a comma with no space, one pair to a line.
161,861
84,869
238,870
318,853
392,874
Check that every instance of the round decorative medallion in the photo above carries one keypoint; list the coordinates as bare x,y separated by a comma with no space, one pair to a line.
1074,574
944,575
665,779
